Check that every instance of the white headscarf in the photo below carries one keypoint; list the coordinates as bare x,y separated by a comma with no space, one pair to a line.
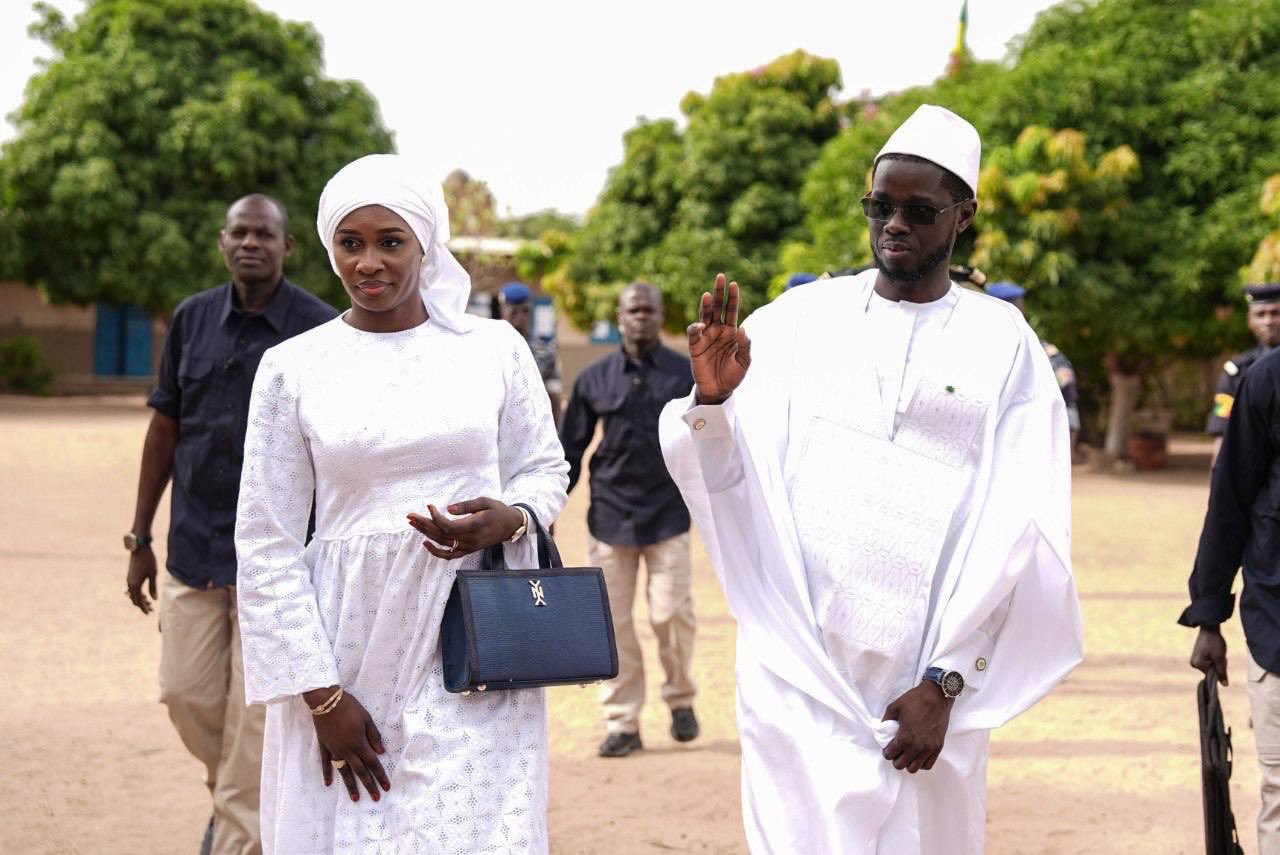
939,136
400,185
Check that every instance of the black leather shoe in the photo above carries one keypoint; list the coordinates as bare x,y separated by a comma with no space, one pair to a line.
684,725
620,744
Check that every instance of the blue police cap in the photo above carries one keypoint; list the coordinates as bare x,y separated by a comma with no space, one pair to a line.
514,293
1267,293
1006,291
800,279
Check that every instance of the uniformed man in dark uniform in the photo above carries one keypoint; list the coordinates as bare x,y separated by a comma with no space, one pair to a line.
1241,531
515,301
1062,368
1264,323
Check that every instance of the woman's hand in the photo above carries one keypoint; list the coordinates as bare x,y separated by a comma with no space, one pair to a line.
480,524
348,736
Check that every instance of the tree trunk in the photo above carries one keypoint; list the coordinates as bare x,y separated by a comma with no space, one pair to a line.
1124,400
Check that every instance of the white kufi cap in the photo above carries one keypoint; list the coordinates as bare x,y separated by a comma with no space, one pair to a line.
939,136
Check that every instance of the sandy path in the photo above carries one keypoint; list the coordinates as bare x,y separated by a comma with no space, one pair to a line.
1108,763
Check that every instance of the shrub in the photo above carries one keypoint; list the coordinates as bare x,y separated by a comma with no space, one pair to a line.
22,366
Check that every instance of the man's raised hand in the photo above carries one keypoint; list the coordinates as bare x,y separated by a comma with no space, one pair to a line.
718,347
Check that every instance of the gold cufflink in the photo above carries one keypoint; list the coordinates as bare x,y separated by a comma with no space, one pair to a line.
981,664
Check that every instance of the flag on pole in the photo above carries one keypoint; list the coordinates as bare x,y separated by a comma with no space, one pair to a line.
960,54
963,29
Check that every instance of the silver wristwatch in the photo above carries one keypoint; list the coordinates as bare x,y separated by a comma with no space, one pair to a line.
134,542
951,682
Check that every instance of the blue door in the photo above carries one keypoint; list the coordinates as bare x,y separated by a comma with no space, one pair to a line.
137,342
122,341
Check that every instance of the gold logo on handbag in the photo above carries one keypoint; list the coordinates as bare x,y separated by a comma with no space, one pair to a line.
535,588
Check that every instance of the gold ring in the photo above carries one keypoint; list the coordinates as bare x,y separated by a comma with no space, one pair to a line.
455,546
338,764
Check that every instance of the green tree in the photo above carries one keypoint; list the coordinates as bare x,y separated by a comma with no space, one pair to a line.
1056,223
1265,265
635,209
472,210
721,195
534,226
152,116
1190,87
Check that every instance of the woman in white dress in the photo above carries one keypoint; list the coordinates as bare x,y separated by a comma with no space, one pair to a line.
398,411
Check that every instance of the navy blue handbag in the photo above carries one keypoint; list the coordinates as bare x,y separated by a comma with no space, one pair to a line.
519,629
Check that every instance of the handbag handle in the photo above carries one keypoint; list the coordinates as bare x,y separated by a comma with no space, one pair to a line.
494,558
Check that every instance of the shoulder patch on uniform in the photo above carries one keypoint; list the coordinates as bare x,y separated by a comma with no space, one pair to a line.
1231,368
1222,405
1050,350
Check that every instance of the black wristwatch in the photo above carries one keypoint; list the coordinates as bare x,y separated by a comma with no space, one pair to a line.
951,682
134,542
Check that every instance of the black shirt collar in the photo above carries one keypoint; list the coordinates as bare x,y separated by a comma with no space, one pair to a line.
646,361
276,313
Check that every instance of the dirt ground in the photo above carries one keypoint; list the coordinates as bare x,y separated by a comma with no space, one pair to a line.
1109,763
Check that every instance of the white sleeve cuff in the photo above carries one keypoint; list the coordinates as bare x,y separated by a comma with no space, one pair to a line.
711,421
713,428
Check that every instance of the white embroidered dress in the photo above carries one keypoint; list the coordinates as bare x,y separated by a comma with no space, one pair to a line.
380,424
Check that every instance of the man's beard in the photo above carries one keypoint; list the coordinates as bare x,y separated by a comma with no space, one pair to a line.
915,274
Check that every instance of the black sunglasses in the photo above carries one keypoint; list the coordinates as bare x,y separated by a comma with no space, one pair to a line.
916,215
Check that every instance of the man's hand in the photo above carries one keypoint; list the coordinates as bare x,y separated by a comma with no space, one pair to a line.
1210,650
718,347
347,734
142,568
922,715
486,522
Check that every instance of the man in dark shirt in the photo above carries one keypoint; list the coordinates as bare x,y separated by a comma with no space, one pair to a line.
1264,322
201,401
637,511
1242,529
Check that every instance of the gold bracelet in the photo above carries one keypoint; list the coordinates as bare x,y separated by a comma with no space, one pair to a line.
327,707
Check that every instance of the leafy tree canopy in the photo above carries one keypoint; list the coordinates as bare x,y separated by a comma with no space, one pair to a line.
472,209
1265,265
1051,219
154,115
534,226
1190,87
721,195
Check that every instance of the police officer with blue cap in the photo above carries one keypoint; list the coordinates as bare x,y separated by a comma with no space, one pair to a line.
1062,369
516,303
1264,323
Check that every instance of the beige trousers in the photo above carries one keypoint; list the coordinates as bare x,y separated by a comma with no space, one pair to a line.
1264,709
202,684
668,584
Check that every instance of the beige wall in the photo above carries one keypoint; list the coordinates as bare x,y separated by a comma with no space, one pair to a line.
65,334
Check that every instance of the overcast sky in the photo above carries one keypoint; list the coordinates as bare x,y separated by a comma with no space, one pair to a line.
533,98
